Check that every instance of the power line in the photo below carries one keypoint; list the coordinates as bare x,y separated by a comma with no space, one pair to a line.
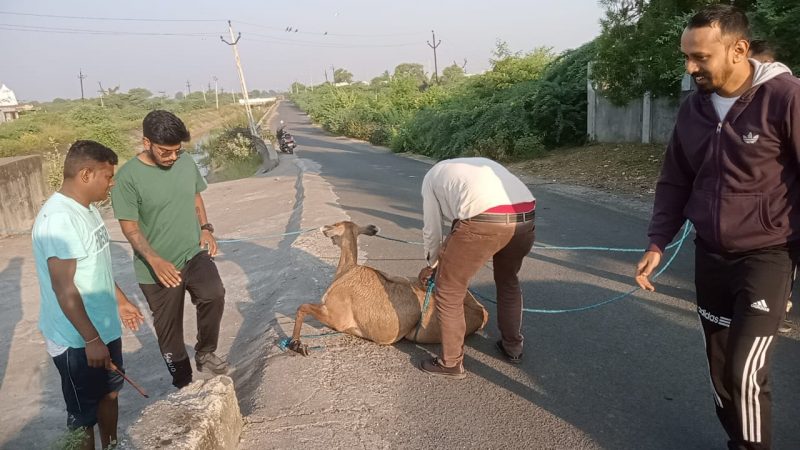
271,39
325,33
145,19
325,45
126,19
40,29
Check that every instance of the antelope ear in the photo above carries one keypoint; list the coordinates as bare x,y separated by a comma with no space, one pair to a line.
369,230
331,230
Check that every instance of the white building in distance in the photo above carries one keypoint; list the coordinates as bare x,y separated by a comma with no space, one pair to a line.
9,107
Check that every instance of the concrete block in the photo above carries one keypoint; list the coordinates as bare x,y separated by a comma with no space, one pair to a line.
269,155
202,416
22,193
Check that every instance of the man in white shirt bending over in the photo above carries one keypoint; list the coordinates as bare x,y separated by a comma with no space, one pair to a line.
492,214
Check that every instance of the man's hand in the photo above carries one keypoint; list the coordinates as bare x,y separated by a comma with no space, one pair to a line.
97,354
166,272
424,275
130,315
208,242
645,268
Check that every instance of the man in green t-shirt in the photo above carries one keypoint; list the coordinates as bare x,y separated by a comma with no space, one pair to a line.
158,204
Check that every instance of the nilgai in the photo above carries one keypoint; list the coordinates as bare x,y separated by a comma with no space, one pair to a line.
373,305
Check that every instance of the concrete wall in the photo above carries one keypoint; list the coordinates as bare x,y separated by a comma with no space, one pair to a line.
22,192
662,119
618,124
645,120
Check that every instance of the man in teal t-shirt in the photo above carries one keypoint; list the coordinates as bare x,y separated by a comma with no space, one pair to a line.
81,305
161,212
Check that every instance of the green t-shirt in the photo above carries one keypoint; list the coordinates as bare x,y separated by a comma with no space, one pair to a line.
162,201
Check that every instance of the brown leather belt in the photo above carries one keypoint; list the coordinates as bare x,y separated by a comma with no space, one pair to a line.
504,218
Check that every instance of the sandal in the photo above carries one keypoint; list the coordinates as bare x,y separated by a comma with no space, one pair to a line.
511,358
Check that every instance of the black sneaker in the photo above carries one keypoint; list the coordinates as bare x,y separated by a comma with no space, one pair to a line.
209,362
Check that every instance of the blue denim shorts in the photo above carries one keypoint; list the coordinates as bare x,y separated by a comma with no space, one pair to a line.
83,386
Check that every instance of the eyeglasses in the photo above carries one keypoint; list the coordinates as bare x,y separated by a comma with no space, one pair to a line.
164,153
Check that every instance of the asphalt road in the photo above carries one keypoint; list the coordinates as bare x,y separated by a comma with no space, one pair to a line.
630,374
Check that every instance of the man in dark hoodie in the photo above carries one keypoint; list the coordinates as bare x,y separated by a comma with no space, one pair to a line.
731,168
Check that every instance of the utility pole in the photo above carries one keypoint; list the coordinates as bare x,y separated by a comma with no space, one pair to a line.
326,75
188,87
333,74
163,96
435,63
216,92
247,109
81,76
102,93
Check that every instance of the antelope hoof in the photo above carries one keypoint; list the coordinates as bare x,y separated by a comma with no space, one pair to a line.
297,346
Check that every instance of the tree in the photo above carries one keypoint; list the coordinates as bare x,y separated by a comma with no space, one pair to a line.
381,79
413,71
297,87
141,93
777,21
501,51
515,69
179,95
341,75
638,48
451,74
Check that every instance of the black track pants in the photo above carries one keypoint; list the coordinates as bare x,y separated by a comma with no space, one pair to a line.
741,300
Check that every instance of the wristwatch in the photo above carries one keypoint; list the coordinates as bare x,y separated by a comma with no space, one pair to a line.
207,226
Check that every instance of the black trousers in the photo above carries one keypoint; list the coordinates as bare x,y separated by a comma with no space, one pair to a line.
741,300
201,279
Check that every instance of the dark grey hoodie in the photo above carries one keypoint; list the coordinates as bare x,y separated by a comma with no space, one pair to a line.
737,179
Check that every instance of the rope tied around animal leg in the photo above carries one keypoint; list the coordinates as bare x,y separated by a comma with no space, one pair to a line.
283,343
425,304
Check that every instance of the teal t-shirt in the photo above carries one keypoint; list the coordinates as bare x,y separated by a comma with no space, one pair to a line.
65,229
162,202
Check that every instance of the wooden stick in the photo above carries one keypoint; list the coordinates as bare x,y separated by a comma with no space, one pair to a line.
124,377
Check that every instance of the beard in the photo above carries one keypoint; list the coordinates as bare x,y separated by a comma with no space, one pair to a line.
158,163
706,82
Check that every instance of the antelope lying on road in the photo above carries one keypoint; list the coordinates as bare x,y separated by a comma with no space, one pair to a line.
370,304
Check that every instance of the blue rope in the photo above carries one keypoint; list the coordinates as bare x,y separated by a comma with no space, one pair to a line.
244,239
425,304
687,228
555,247
283,344
228,241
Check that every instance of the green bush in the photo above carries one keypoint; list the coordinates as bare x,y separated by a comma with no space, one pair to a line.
525,104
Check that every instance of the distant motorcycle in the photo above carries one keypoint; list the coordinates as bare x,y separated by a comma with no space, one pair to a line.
285,141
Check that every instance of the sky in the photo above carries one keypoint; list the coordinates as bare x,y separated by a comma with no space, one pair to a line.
160,45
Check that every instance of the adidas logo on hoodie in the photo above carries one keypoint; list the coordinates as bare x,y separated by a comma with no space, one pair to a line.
750,138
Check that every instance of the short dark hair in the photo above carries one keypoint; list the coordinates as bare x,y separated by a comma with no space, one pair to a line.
163,127
84,153
761,48
731,20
